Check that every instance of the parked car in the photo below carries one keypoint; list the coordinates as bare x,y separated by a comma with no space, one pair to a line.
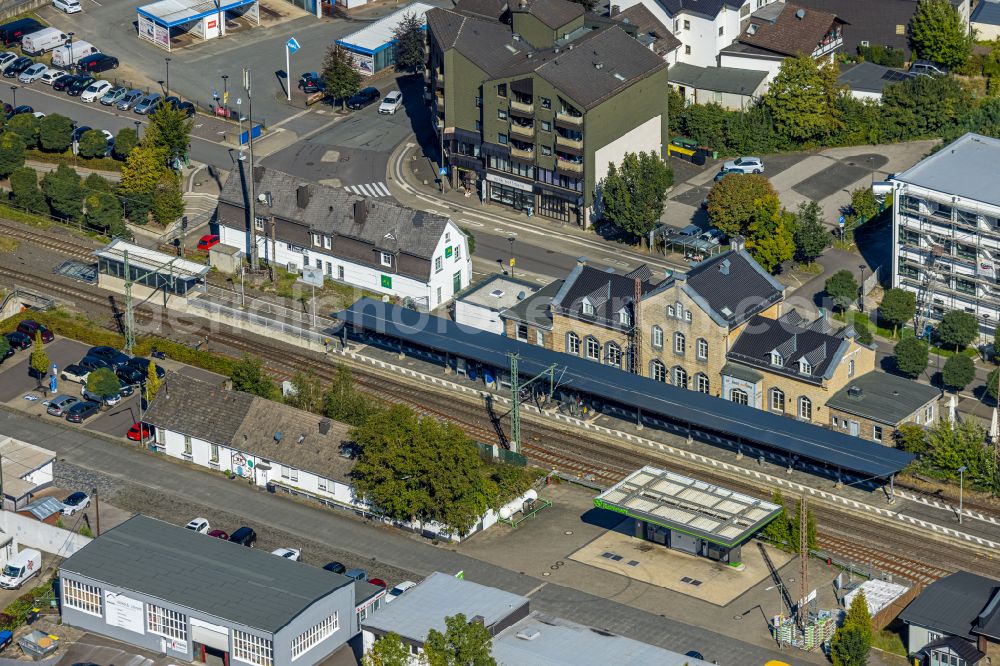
125,389
140,431
78,86
82,411
50,76
109,400
311,82
130,99
16,66
199,525
292,554
95,91
399,590
96,63
14,32
7,354
18,340
928,67
130,375
244,536
694,654
6,58
38,114
148,104
30,327
391,103
60,404
114,96
78,133
18,110
378,581
335,567
725,172
142,365
63,82
357,574
113,357
74,373
208,241
219,534
91,363
745,165
40,41
67,6
69,54
363,98
177,104
77,501
33,73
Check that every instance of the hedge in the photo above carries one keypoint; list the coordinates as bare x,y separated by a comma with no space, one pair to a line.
17,612
69,159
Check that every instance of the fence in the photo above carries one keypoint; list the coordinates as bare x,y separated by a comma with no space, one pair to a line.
11,8
34,534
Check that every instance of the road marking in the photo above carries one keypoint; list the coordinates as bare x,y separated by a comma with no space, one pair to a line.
535,589
290,118
373,190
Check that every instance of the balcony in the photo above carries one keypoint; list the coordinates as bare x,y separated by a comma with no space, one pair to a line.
520,130
566,142
522,154
522,107
569,119
571,167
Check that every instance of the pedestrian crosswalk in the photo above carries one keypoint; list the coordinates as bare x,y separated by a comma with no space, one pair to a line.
370,190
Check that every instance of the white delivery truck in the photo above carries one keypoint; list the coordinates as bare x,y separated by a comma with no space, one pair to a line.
70,54
44,40
21,567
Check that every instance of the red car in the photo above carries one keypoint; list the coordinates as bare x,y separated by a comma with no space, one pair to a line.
29,327
379,582
207,241
219,534
147,432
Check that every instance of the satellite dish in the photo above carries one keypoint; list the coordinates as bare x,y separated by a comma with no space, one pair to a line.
262,197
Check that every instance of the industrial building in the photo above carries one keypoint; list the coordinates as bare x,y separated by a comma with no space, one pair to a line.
373,48
189,595
688,515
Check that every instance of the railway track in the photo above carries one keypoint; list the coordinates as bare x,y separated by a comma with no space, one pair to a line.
73,249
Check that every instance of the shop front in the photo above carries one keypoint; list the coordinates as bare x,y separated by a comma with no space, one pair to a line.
511,193
562,206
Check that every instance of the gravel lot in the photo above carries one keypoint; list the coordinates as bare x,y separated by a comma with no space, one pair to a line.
151,502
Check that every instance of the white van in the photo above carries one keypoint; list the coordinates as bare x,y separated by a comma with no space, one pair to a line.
21,567
44,40
70,54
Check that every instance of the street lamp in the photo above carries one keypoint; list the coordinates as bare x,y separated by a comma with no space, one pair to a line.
225,91
137,126
72,62
961,488
871,162
167,78
861,308
511,240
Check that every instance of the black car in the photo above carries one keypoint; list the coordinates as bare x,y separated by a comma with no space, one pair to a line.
310,83
79,85
64,82
91,363
17,66
335,567
18,110
79,132
363,98
125,388
82,411
14,32
177,104
142,365
109,355
130,374
18,340
245,536
97,62
7,354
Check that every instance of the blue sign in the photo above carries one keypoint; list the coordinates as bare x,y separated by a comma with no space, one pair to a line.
53,384
841,221
292,45
443,171
245,137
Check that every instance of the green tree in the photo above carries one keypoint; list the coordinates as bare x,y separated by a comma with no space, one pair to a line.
810,235
153,382
170,130
463,643
911,356
168,201
958,372
842,289
92,144
953,445
307,392
801,98
938,33
912,438
103,382
923,107
410,38
996,340
794,532
143,169
733,202
779,529
864,205
125,141
708,124
991,383
389,650
55,133
104,212
342,402
958,328
11,153
898,306
95,182
675,106
248,375
769,234
24,186
633,194
39,359
852,641
64,191
138,206
26,126
861,327
339,75
4,346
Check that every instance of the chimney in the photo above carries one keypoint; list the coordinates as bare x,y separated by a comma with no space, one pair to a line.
737,243
302,196
360,211
724,266
615,10
480,620
324,426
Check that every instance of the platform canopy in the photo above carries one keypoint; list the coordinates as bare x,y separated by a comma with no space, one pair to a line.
172,13
152,260
683,504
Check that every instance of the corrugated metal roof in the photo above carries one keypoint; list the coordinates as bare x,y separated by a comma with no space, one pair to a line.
655,398
177,12
381,33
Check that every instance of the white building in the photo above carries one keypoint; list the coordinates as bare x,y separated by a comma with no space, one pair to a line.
374,245
26,469
481,305
946,231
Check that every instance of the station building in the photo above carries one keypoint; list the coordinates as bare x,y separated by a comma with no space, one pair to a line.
688,515
149,270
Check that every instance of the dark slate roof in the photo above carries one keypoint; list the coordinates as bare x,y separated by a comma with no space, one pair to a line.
535,309
952,604
243,585
963,648
883,397
719,79
786,33
702,411
493,9
329,210
209,413
731,287
608,292
444,26
794,340
987,12
709,8
649,27
554,13
869,77
489,45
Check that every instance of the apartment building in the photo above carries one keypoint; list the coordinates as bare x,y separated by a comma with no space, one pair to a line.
946,231
531,113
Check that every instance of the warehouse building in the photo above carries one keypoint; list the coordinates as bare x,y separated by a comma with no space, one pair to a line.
373,47
188,595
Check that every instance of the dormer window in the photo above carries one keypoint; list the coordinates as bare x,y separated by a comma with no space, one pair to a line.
386,259
804,367
776,359
588,307
624,317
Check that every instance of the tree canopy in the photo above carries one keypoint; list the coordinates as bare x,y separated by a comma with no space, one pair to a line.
801,99
167,203
389,650
55,132
12,149
103,382
842,289
810,235
63,190
733,201
92,144
958,372
104,212
342,402
39,359
963,444
463,643
898,307
143,169
24,187
852,641
410,38
125,141
169,129
769,234
339,75
248,375
25,125
911,355
633,193
307,392
153,382
938,33
958,328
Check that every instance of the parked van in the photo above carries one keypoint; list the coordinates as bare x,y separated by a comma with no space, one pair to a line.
21,567
14,32
44,40
70,54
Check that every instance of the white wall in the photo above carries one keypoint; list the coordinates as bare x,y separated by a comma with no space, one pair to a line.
477,316
985,31
864,94
646,137
917,638
769,65
41,476
31,533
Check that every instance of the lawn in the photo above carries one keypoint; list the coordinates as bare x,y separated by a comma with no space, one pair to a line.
889,641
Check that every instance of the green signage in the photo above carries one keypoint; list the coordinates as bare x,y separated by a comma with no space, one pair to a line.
387,282
447,252
601,504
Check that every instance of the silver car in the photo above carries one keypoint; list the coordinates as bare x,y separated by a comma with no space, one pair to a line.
148,104
114,96
59,404
129,99
33,73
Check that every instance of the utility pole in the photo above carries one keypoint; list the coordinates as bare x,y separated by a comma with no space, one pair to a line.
253,196
97,513
803,561
129,313
515,397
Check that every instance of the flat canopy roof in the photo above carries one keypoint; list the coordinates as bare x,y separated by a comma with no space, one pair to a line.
172,13
152,260
19,459
379,34
654,398
688,505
